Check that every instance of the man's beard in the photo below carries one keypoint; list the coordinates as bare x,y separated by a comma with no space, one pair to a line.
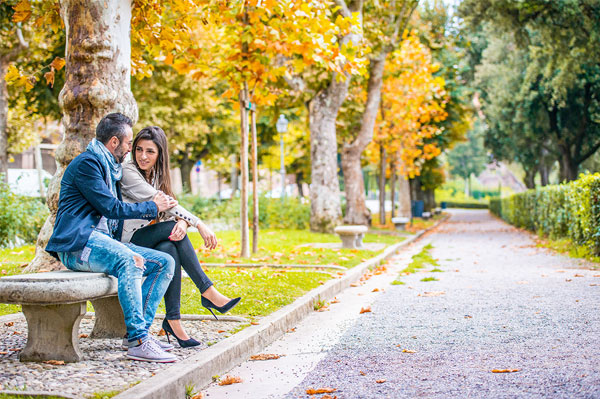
119,156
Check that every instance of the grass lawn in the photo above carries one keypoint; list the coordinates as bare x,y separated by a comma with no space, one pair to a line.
286,247
264,290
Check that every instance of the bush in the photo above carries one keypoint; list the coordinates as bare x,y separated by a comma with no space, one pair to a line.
21,218
273,213
570,210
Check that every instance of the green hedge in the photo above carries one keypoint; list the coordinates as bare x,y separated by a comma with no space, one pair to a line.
569,210
273,213
21,218
465,204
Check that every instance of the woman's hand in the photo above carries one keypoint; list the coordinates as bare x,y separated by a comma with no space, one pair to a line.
210,239
179,231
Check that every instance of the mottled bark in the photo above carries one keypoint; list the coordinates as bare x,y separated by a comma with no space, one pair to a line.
429,200
356,208
3,120
530,178
325,212
254,181
186,164
245,239
325,206
382,180
97,82
393,188
404,198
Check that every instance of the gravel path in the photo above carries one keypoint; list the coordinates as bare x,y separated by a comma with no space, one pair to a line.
104,367
501,303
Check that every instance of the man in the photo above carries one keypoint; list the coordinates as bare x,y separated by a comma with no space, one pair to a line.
88,228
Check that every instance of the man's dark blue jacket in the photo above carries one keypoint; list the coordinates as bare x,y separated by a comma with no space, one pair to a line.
84,198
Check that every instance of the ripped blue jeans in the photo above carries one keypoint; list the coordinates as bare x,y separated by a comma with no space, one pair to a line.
139,301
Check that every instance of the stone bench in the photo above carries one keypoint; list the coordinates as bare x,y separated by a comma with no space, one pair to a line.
351,236
426,215
54,304
400,222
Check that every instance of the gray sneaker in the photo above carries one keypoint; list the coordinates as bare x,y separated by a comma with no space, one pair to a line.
167,347
149,351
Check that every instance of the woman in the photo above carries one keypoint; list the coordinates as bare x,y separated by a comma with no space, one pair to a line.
147,174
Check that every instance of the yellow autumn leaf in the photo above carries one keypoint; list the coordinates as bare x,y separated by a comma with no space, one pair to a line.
58,63
22,11
12,74
49,76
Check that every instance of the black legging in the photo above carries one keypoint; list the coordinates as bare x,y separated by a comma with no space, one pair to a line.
156,236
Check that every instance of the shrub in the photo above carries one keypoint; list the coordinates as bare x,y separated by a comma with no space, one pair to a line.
273,213
21,218
570,210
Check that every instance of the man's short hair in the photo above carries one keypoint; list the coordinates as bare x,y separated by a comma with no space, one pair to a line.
112,125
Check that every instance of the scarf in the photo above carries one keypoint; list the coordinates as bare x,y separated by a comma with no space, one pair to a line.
114,170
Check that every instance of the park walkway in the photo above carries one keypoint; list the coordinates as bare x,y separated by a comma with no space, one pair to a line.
500,303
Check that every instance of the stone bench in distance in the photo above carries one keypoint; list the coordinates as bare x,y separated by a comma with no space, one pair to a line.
426,215
400,222
352,235
54,304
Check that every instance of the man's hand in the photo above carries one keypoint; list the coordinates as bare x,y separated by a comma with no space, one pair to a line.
179,231
163,201
210,239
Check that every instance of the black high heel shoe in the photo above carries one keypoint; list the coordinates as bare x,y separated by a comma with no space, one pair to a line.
188,343
222,309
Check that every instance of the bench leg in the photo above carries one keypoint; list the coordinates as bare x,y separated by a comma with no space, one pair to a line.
348,241
110,322
359,238
53,332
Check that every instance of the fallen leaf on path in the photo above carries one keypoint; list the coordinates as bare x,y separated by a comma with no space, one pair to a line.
468,316
362,373
432,293
408,351
568,279
228,380
221,331
15,349
559,271
355,285
9,324
381,381
594,285
318,391
375,290
579,275
265,356
161,333
199,395
83,335
522,282
3,353
16,332
254,323
335,300
55,362
596,275
505,370
544,275
365,310
328,397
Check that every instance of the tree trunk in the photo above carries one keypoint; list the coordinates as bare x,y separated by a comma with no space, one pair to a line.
393,188
530,178
186,165
97,82
3,121
429,196
568,168
356,207
404,197
544,170
245,244
325,208
254,181
382,168
299,181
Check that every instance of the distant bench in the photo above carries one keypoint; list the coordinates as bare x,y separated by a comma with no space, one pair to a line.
352,235
54,303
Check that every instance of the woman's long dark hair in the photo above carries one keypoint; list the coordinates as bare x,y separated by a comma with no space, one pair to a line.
160,172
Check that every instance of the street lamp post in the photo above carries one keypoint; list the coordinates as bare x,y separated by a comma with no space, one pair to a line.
281,126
